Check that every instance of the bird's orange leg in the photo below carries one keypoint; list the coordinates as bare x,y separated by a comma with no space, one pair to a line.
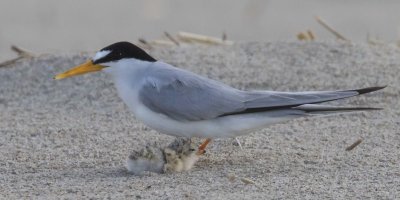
201,150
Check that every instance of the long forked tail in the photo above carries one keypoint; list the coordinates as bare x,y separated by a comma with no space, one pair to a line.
278,100
368,90
326,109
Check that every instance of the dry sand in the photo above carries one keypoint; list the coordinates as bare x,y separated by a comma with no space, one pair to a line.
70,138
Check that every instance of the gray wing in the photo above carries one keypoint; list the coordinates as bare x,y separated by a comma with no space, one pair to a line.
185,96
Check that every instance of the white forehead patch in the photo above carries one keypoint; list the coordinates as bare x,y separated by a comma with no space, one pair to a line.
100,54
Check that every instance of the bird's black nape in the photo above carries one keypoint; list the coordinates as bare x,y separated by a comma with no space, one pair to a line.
121,50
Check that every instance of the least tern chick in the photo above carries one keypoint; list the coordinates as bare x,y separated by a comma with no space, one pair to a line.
173,161
180,156
149,158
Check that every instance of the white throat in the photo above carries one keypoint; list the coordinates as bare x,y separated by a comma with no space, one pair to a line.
128,76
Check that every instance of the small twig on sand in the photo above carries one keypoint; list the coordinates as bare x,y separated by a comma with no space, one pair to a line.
171,38
247,181
306,36
224,36
238,143
144,43
192,37
22,53
161,43
311,35
231,177
374,41
301,36
10,62
354,145
330,29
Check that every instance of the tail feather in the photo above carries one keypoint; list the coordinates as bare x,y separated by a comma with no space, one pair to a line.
326,109
368,90
269,101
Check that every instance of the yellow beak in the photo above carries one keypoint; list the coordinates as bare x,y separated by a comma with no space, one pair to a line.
84,68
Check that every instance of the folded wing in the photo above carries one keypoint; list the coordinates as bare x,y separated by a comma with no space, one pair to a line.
185,96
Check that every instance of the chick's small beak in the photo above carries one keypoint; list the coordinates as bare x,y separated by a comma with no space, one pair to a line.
84,68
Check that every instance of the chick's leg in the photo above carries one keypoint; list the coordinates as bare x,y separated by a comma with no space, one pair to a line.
201,150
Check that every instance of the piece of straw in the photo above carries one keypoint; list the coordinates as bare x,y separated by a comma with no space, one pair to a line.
22,53
330,29
197,38
354,145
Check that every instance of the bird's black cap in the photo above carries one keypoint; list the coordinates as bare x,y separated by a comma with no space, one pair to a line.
121,50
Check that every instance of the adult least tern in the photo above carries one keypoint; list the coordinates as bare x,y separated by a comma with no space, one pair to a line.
180,103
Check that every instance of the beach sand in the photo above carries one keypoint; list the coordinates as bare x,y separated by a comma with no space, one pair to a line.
71,138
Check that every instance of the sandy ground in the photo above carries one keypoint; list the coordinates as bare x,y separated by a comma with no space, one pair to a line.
70,138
